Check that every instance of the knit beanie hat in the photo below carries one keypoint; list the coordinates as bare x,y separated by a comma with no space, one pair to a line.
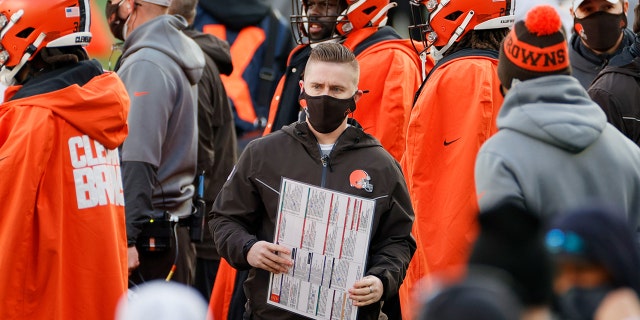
535,47
164,3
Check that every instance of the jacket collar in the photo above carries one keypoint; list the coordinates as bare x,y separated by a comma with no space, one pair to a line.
352,138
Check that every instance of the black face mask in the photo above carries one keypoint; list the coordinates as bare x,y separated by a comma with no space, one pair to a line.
326,113
601,30
116,24
581,303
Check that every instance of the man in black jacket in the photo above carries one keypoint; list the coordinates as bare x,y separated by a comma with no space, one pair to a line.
326,152
600,33
217,143
617,88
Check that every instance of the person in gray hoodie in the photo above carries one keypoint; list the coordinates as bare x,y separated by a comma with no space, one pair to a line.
554,149
160,67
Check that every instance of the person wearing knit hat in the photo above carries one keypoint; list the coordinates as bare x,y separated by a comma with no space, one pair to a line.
511,240
617,88
534,47
596,253
554,148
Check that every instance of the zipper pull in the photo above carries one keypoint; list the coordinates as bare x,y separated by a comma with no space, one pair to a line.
325,162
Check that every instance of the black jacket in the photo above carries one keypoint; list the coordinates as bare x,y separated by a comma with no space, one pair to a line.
246,208
617,90
217,143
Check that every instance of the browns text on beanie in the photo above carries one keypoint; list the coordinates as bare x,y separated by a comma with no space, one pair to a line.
535,47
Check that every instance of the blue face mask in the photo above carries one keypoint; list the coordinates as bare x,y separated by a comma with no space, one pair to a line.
581,303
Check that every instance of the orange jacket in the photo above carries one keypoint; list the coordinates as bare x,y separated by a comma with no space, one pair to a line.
62,227
454,114
391,70
222,291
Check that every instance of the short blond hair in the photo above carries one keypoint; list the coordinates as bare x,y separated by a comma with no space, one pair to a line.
334,53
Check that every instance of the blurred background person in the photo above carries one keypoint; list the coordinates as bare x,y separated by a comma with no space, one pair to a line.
162,300
597,258
260,40
508,276
511,247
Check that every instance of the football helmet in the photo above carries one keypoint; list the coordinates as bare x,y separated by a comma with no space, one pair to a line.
441,23
354,15
27,26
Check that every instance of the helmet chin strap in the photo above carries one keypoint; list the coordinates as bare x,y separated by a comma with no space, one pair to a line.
383,12
438,53
7,77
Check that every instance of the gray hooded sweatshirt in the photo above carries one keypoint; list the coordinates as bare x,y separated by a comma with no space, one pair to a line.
554,151
160,67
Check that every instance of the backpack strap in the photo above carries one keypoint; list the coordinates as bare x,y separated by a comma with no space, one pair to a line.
267,72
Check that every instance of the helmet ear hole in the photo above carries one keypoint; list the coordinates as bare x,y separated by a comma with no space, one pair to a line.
25,33
453,16
369,10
